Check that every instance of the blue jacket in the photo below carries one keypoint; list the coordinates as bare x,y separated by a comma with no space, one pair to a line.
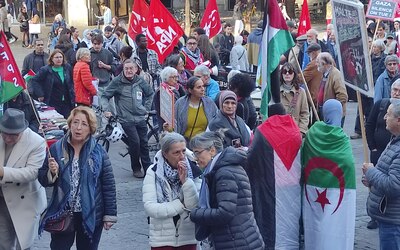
212,89
383,86
384,180
97,187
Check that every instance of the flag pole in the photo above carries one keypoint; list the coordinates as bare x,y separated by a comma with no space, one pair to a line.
373,38
306,88
363,134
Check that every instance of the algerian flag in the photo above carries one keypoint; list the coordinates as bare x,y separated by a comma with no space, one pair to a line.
329,195
274,174
276,40
29,75
10,77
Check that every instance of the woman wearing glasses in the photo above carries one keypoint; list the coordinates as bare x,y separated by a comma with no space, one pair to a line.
293,97
192,54
225,214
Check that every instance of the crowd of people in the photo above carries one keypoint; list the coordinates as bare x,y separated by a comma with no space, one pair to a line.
200,189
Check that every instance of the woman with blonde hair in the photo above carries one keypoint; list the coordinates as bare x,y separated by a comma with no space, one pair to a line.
84,89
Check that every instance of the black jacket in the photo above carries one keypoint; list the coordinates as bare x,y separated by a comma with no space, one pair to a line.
34,62
230,218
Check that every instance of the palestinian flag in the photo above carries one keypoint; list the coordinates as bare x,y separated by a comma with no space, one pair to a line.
276,40
274,172
29,75
329,195
11,80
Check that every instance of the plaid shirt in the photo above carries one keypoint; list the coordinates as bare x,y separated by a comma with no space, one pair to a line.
152,61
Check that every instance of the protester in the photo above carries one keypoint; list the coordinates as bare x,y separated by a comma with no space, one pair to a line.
384,81
131,111
238,57
148,57
112,43
312,37
22,102
35,60
238,133
381,179
243,86
86,40
331,86
380,32
329,191
54,40
24,25
226,41
169,80
53,84
83,86
170,189
274,174
176,62
191,54
64,44
391,44
58,22
208,50
82,178
210,85
22,198
253,45
225,201
332,48
197,32
195,110
115,23
76,41
311,74
293,97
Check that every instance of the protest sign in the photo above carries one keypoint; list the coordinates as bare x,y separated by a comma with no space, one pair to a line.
167,103
382,9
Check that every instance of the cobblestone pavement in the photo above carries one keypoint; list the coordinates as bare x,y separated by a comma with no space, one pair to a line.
131,231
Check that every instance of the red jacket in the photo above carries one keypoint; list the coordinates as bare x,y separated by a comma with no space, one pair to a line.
84,89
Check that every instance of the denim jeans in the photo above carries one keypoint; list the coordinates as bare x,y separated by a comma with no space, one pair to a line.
389,236
64,241
137,142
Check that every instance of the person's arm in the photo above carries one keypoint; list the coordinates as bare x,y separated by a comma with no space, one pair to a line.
25,65
386,183
304,112
86,78
234,59
213,89
227,199
108,190
340,90
151,206
37,83
29,172
148,94
111,90
378,89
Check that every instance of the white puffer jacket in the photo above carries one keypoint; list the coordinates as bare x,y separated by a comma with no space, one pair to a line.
163,231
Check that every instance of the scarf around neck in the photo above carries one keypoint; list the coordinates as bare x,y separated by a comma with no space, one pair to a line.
193,56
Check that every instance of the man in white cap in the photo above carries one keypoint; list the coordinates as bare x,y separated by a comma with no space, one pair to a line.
22,198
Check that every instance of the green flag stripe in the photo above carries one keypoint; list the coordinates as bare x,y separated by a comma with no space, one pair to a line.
8,91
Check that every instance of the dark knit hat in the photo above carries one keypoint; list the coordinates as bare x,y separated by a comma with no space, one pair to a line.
226,94
313,47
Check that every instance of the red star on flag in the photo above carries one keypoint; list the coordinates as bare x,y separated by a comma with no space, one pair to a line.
322,198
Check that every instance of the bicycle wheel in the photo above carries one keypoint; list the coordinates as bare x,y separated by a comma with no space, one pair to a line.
103,142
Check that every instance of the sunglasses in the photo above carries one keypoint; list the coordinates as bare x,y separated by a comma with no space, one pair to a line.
285,71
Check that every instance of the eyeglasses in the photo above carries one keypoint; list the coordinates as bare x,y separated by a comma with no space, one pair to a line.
173,77
285,71
197,153
191,43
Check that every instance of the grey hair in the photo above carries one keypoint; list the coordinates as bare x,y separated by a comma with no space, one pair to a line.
238,39
231,74
81,53
329,26
326,58
395,106
397,82
391,58
167,72
379,43
169,139
202,70
312,31
206,140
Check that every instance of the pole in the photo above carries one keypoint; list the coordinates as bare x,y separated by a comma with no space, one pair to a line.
44,12
363,134
306,88
187,17
373,38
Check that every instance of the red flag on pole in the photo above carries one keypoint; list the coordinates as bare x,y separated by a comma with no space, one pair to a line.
397,15
11,80
305,23
138,21
163,30
211,21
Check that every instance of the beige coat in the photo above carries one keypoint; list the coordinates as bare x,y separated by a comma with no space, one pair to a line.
335,88
24,196
301,112
3,19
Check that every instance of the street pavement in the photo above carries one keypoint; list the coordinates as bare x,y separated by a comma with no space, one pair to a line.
131,231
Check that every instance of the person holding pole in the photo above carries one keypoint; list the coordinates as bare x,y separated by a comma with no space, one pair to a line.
311,74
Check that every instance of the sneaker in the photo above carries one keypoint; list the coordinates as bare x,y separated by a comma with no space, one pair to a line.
29,46
355,136
12,39
373,224
138,174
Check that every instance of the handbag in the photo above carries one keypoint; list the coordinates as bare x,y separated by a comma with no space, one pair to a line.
63,224
34,28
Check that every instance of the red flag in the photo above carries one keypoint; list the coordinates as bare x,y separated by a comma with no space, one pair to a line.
397,15
163,30
11,80
138,21
211,22
305,23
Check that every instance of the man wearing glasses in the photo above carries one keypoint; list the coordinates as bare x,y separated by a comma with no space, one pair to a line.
385,80
192,55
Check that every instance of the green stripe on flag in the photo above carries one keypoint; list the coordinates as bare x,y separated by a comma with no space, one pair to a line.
8,91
